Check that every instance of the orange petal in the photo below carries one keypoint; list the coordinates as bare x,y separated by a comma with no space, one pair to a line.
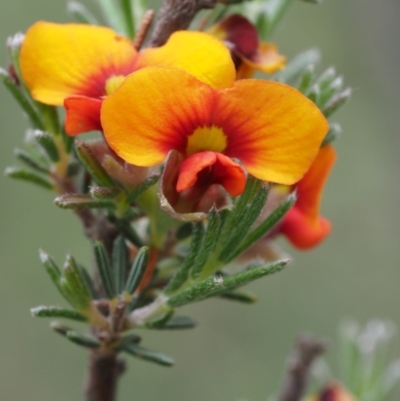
197,53
266,59
193,204
82,114
272,128
211,168
153,112
300,232
309,189
58,61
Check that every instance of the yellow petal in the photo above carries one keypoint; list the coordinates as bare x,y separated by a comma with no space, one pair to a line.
61,60
197,53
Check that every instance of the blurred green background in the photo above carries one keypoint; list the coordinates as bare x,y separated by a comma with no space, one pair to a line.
237,352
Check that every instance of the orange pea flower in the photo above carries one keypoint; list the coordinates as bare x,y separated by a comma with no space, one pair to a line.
251,54
79,65
332,392
271,128
303,225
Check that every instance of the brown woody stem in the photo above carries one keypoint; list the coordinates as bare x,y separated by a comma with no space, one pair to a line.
102,376
175,15
306,350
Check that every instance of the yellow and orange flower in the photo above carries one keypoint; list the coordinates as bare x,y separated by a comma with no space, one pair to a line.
272,129
332,392
251,54
303,225
79,65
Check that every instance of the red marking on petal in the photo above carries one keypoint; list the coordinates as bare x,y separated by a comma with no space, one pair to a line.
241,33
207,168
83,114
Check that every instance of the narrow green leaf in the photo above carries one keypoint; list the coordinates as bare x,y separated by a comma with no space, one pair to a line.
50,118
160,321
197,292
248,216
52,311
137,270
80,201
147,355
112,15
74,284
335,130
240,296
84,340
233,218
176,323
275,10
183,271
131,338
22,99
80,13
67,140
104,193
213,286
29,160
120,263
330,90
268,224
314,94
89,282
28,176
93,166
336,102
306,79
53,271
104,268
253,273
298,65
144,186
126,8
14,44
46,141
127,230
209,243
60,328
326,78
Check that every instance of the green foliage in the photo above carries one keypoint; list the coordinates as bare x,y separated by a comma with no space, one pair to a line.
104,265
52,311
137,270
146,354
214,286
80,13
92,165
28,176
81,339
79,201
120,260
